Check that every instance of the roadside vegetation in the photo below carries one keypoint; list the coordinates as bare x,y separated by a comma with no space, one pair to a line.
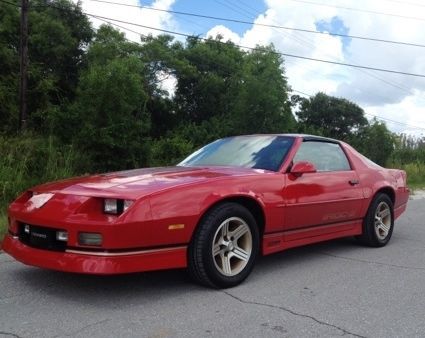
98,102
409,155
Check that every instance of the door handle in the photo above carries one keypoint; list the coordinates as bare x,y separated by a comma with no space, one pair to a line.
354,182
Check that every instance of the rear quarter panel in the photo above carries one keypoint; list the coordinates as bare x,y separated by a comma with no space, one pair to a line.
374,178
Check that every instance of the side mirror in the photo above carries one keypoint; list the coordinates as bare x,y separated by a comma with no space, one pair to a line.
303,167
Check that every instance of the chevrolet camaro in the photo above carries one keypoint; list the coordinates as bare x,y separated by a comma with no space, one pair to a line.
213,213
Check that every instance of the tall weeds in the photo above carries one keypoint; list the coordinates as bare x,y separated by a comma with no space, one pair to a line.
415,173
29,160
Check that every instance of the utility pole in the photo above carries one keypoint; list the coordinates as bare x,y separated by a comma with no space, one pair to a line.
23,66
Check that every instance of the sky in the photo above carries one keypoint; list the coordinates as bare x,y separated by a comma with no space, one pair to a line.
393,97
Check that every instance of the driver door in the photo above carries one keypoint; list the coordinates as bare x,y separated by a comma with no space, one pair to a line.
330,196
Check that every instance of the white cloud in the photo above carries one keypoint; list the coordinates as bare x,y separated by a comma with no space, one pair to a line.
410,112
396,97
225,32
141,16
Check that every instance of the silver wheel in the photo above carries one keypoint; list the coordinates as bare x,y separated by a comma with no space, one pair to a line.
232,246
383,220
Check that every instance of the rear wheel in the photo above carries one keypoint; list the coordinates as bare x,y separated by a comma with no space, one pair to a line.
378,224
224,247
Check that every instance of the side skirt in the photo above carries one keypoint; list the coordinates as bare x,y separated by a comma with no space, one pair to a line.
280,241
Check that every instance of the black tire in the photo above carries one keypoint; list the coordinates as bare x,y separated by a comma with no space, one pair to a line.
373,234
207,267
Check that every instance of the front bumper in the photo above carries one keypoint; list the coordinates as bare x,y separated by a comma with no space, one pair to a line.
99,263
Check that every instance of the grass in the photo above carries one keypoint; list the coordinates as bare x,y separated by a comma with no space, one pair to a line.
27,161
415,174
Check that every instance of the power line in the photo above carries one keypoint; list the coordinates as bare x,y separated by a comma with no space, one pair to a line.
375,116
298,40
250,48
105,19
302,42
231,6
355,66
263,25
300,92
257,49
122,27
406,3
394,121
293,90
359,10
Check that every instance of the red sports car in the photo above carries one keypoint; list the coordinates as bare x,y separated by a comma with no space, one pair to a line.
212,213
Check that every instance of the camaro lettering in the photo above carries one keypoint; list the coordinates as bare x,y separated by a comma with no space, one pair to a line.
36,234
338,215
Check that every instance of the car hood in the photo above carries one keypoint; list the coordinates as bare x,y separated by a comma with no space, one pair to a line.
132,184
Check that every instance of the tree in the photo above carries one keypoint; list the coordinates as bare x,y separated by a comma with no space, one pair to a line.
114,123
376,142
59,33
334,117
261,104
108,119
159,55
208,79
9,66
58,36
108,44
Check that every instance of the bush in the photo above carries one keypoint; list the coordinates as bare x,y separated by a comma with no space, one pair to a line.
170,151
415,173
29,160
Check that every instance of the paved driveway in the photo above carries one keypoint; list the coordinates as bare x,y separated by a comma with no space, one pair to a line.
331,289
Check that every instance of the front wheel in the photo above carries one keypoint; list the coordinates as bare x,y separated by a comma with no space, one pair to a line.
378,224
224,247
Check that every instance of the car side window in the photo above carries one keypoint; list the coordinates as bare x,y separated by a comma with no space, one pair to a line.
326,156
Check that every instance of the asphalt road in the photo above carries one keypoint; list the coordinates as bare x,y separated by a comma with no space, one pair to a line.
331,289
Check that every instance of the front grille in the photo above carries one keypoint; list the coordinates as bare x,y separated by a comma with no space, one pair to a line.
40,237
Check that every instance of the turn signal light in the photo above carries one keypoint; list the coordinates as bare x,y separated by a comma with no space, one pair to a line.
90,239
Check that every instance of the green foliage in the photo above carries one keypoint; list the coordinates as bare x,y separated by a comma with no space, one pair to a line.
114,123
262,95
109,44
170,150
28,160
375,141
217,80
409,149
415,173
409,155
59,34
336,117
9,66
3,225
207,79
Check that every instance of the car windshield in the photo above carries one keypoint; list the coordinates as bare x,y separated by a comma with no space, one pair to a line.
260,152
